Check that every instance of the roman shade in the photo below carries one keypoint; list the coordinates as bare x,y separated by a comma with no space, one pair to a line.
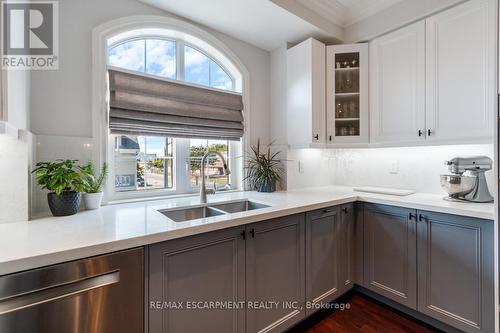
142,104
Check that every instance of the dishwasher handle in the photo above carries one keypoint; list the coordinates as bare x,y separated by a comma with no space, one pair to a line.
37,297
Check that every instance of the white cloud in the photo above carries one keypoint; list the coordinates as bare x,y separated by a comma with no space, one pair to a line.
194,57
161,57
129,55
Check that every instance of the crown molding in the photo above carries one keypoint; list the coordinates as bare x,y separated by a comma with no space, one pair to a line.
341,13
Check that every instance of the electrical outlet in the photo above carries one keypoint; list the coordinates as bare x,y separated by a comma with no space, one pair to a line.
394,168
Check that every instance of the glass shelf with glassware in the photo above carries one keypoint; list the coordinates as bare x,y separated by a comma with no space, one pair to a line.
347,93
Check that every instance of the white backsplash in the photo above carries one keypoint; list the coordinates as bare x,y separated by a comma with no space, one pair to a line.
416,168
308,168
14,175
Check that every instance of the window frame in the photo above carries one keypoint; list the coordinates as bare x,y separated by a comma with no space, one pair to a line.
181,169
126,27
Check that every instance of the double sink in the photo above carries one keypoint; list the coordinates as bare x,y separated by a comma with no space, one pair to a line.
183,214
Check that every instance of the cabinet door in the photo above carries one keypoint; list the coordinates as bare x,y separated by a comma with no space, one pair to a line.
322,257
460,78
275,273
390,253
347,94
397,85
203,268
455,270
306,70
346,247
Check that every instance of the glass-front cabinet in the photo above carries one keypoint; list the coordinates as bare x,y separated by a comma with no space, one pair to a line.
347,94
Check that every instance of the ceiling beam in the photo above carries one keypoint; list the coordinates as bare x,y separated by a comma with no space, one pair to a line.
334,31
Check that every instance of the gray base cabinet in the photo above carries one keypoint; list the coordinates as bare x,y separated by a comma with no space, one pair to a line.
455,270
322,257
202,268
390,247
452,270
275,273
330,250
259,268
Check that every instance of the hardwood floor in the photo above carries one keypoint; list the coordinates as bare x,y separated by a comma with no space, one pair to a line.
363,316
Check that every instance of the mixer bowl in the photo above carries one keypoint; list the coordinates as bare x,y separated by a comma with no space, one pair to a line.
458,185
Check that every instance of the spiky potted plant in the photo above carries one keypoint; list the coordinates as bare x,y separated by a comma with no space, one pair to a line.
64,181
93,184
264,170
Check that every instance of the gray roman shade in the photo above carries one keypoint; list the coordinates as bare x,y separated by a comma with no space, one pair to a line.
141,104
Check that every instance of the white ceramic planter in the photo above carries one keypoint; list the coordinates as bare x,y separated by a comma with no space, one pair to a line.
92,200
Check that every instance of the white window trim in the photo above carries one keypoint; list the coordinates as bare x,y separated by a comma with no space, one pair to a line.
101,37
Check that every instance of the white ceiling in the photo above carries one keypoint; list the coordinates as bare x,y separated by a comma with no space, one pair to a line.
346,12
257,22
270,23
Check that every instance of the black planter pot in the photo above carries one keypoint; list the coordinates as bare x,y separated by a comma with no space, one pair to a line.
65,204
267,186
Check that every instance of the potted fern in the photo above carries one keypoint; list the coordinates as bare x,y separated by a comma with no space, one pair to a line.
263,169
93,184
64,181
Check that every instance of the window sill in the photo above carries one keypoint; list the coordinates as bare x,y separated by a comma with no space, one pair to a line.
162,197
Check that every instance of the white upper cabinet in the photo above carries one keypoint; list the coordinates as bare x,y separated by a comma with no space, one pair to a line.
431,82
347,94
434,81
397,85
460,76
306,119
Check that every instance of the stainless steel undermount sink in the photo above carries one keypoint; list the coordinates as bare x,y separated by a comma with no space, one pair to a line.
190,213
238,206
183,214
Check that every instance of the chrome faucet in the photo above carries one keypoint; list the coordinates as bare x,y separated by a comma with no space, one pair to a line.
203,189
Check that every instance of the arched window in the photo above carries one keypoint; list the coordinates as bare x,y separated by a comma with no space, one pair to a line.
159,56
154,165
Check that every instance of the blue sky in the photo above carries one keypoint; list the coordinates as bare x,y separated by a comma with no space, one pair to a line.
161,61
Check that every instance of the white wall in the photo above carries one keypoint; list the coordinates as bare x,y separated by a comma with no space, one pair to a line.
61,99
15,154
416,168
18,98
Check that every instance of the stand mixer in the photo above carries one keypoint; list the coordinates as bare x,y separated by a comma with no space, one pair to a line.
467,181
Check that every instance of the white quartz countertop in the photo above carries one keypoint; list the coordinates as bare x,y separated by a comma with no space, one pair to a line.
46,241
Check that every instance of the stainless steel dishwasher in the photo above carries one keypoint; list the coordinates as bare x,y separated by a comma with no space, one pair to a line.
103,294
